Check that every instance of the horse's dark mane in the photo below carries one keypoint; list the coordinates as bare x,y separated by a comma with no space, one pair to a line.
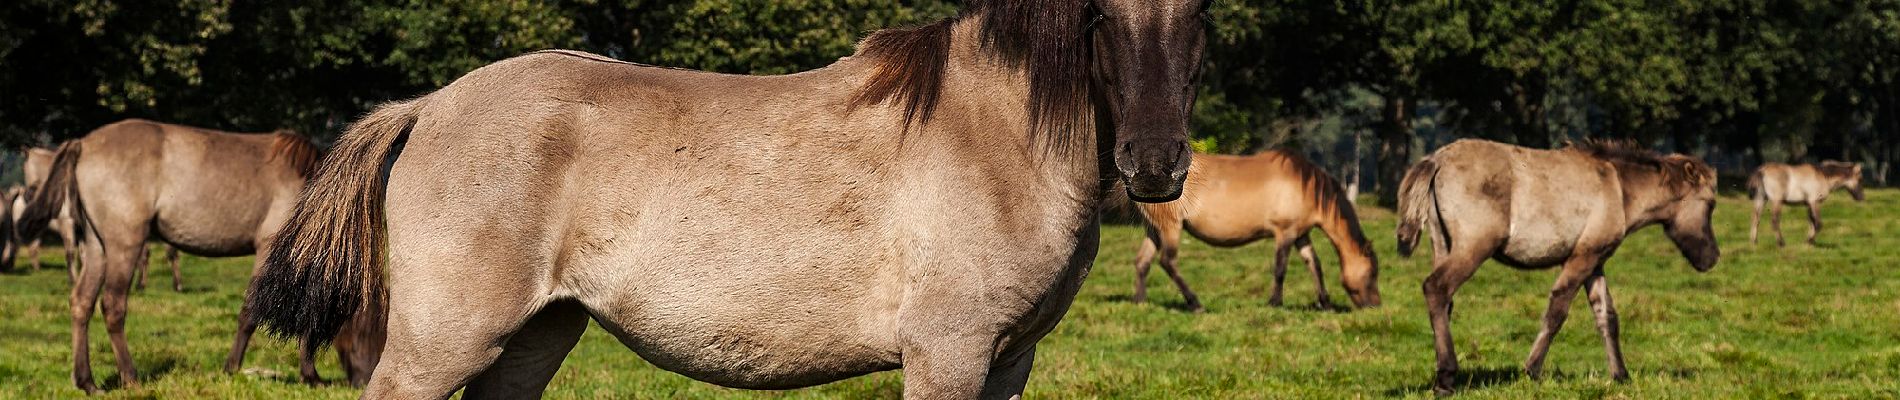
1835,169
1045,38
1691,172
1620,151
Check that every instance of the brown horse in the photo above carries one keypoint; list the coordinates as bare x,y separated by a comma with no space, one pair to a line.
1809,184
930,203
1230,201
206,192
1534,209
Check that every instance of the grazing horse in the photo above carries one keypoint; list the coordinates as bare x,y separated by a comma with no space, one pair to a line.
930,203
206,192
1231,201
1534,209
1778,184
38,163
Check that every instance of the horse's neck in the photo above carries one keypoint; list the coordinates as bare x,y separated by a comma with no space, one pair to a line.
1647,208
998,94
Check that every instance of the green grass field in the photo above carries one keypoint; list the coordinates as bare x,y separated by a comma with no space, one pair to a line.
1799,322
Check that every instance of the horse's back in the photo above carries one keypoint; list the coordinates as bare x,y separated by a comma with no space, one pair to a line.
1791,183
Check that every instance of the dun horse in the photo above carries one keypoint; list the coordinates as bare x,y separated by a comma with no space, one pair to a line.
38,163
207,192
1230,201
1775,184
930,204
1534,209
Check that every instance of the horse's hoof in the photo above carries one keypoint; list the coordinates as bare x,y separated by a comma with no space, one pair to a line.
1197,309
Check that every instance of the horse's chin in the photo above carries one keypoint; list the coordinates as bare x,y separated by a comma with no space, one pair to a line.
1171,196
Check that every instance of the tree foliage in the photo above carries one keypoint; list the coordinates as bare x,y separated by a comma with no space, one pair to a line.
1738,81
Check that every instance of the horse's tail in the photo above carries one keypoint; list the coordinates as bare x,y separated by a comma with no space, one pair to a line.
60,187
1754,185
1417,203
325,265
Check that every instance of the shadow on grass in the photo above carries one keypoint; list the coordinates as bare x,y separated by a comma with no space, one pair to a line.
1176,305
146,375
1474,379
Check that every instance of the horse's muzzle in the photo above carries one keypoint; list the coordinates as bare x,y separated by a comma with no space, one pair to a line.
1153,170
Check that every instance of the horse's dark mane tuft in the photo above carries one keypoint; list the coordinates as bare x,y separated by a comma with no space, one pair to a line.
1045,38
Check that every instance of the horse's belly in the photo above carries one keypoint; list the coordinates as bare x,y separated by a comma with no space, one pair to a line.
761,355
1536,249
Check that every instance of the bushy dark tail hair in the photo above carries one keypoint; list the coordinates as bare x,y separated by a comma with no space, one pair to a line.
44,205
1418,206
325,265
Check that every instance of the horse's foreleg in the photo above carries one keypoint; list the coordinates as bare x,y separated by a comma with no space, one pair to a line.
1007,381
1574,273
1282,246
1170,244
1144,258
532,356
1449,271
84,299
1605,310
942,367
1814,221
1312,263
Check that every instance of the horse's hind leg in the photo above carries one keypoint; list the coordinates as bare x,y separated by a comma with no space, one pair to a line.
1575,272
1814,220
1774,222
85,298
532,355
118,285
144,262
1605,310
1450,269
1754,220
1305,244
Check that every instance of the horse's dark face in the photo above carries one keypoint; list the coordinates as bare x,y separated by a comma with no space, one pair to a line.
1853,185
1147,66
1689,227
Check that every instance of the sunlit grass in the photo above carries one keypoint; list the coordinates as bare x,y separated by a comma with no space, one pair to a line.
1796,322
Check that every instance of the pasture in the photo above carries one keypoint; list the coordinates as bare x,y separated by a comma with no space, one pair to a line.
1801,322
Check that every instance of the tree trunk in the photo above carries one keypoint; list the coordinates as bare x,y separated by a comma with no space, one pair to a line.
1395,146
